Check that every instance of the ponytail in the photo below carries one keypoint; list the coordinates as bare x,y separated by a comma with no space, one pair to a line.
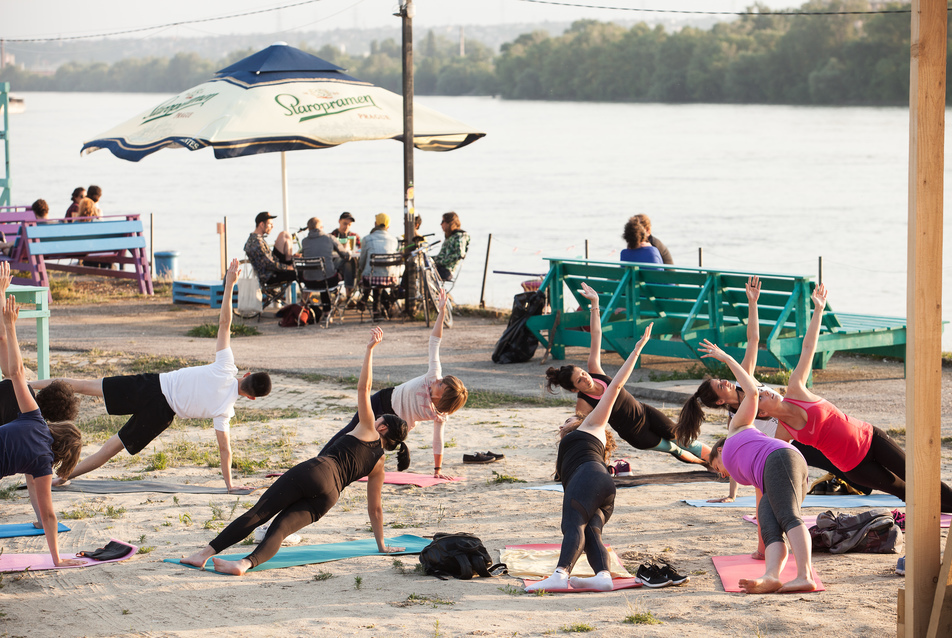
692,414
397,431
403,457
561,377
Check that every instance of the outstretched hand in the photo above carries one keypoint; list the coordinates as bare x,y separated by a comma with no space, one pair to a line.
390,550
232,274
819,297
376,336
442,300
5,277
645,337
709,350
11,310
589,293
753,288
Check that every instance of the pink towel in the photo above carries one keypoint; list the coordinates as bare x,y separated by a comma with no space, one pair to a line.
617,583
409,478
37,562
732,568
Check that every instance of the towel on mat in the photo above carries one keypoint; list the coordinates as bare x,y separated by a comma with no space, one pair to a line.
617,583
313,554
836,501
26,529
106,486
37,562
732,568
540,560
409,478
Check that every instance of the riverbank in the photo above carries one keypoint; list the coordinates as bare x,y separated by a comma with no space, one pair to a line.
375,596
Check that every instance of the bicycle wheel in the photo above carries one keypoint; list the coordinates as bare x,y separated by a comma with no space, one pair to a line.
432,290
448,315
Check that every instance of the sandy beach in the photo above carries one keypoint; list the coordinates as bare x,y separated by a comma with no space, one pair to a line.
380,595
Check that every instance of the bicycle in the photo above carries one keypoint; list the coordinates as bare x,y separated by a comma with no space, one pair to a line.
431,283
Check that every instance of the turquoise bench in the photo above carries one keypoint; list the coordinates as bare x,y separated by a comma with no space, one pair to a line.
688,305
56,244
207,293
33,305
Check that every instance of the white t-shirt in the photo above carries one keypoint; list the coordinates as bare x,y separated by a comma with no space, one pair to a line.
411,400
203,392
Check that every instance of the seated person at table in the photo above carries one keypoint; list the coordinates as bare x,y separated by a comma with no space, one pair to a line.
378,242
270,265
89,205
79,193
639,248
455,246
347,268
320,244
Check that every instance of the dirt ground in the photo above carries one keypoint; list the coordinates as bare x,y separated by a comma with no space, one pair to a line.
371,596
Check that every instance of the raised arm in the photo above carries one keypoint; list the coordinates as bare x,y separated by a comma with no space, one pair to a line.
224,319
598,417
365,413
747,411
753,326
595,327
438,325
25,400
5,278
800,374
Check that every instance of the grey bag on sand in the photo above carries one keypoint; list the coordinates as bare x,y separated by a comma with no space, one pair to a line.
872,532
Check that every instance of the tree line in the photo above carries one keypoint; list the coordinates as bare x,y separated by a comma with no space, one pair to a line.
781,58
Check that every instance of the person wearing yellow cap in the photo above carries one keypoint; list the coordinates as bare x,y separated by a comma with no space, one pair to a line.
379,241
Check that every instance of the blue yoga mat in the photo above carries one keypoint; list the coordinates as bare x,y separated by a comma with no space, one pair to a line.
313,554
25,529
813,500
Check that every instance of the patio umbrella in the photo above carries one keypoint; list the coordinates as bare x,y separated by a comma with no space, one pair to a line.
279,99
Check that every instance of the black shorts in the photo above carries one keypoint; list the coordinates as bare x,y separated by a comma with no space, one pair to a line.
141,396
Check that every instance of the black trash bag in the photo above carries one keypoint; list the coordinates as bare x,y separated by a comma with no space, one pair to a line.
517,343
111,551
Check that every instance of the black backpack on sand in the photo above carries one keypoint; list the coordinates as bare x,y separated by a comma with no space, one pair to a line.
458,555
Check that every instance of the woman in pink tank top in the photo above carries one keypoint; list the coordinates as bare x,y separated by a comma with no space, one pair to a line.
866,454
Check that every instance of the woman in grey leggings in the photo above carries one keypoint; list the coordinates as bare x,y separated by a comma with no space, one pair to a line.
779,472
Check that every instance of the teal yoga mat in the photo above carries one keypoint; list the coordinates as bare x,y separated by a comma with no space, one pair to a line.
812,500
25,529
313,554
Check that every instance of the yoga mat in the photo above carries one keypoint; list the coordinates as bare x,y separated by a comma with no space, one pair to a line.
313,554
106,486
540,560
550,487
668,478
617,583
732,568
409,478
26,529
810,521
837,501
38,562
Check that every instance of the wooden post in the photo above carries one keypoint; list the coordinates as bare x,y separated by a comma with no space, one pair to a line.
482,291
222,248
819,270
924,323
586,249
152,245
700,257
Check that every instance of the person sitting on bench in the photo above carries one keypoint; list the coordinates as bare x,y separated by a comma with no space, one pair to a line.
320,244
273,265
153,400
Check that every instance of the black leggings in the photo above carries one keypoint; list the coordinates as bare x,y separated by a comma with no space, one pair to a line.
656,427
380,403
884,468
587,505
299,497
816,458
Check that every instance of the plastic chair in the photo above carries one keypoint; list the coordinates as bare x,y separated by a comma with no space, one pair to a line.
381,291
332,295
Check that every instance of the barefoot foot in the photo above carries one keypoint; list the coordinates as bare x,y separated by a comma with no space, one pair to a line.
233,567
198,559
760,585
799,584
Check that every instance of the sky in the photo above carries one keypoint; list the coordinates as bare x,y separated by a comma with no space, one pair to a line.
25,19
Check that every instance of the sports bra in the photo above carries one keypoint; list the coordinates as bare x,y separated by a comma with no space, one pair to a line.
843,439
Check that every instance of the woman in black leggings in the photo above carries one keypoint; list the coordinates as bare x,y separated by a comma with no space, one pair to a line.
310,489
642,426
589,491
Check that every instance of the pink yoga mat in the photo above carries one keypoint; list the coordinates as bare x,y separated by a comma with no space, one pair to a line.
38,562
617,583
409,478
944,521
732,568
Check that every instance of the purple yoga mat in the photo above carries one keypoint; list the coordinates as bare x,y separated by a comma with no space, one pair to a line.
38,562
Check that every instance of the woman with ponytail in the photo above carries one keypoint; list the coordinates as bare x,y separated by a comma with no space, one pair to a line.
306,492
642,426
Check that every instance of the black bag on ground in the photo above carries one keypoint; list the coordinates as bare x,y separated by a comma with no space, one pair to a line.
459,555
873,532
112,551
517,343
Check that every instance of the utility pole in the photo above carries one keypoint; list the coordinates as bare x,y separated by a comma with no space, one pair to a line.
407,11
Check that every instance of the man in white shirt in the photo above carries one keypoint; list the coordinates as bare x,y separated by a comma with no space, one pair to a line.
153,400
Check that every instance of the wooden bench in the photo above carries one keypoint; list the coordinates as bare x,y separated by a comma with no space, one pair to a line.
688,305
55,244
207,293
33,301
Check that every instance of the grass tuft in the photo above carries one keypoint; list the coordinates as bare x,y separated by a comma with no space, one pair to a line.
210,330
503,478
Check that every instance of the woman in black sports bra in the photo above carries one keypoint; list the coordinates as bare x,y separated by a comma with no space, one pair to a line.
306,492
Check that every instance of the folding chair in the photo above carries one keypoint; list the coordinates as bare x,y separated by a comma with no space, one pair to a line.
333,301
382,287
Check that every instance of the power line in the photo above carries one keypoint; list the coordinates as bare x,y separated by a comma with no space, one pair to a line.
163,26
719,13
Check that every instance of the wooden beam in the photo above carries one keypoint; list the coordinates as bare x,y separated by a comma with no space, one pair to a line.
924,306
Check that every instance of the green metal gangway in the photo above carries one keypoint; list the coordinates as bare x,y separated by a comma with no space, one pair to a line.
688,305
5,136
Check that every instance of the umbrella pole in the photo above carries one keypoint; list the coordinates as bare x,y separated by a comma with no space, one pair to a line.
287,214
414,280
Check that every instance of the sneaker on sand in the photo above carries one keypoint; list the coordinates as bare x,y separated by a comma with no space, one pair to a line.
622,467
674,577
651,575
901,566
478,459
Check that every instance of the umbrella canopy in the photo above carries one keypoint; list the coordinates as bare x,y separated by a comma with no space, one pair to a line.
279,99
